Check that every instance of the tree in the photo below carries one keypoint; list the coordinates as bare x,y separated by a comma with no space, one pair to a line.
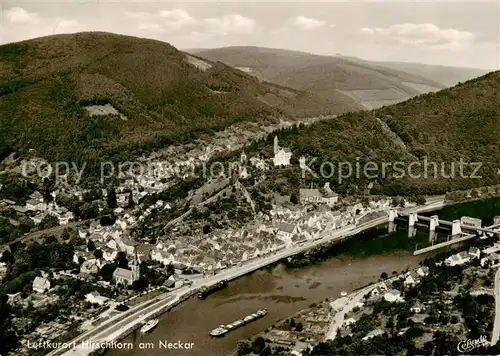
383,275
8,338
65,234
26,224
111,199
122,307
107,220
7,257
48,222
258,345
90,246
170,269
294,199
106,271
140,285
89,210
299,327
131,202
121,260
420,200
98,254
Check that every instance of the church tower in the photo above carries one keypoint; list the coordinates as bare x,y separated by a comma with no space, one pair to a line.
135,266
276,147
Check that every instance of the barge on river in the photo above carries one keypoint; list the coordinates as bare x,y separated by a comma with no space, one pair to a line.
224,329
205,291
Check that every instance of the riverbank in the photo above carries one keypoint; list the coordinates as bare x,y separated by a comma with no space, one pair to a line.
110,333
281,291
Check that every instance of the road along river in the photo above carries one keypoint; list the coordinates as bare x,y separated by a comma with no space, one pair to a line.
282,292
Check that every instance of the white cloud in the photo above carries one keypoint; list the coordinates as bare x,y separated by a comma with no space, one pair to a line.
368,30
307,23
229,24
425,34
150,27
139,15
68,26
176,18
18,15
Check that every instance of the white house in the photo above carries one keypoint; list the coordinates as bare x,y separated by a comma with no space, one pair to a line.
474,252
258,163
282,156
491,259
178,282
330,198
286,230
161,256
90,266
36,196
375,292
96,298
423,271
126,244
66,218
41,284
458,259
109,255
412,279
373,333
393,295
349,321
36,205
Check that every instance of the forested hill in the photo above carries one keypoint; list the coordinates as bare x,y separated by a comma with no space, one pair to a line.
148,93
458,123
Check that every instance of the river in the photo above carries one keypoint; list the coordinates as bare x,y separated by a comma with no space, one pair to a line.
281,291
284,292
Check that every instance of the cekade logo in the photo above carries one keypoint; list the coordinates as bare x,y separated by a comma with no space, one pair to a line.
469,345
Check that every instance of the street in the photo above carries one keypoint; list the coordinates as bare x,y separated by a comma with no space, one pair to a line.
120,324
496,325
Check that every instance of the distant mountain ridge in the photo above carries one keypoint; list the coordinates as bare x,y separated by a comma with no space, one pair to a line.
369,84
445,75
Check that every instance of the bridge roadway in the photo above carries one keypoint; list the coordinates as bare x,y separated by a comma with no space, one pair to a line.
123,323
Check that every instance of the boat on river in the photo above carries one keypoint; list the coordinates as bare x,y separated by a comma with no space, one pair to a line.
150,325
224,329
205,291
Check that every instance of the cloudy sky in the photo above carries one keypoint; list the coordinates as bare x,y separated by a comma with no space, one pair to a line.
462,33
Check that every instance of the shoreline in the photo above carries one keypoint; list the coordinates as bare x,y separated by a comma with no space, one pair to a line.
173,299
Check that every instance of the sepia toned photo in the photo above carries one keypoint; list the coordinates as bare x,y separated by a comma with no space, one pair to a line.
261,178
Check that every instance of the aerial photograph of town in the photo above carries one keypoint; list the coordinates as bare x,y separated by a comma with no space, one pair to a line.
261,178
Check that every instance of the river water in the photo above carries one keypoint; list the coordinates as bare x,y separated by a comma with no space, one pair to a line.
284,292
281,291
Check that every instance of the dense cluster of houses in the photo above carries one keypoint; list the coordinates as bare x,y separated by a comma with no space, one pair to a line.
37,209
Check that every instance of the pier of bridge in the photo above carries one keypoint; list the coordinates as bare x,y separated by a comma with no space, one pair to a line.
460,231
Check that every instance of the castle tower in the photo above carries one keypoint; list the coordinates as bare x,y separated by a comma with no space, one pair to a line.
276,147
